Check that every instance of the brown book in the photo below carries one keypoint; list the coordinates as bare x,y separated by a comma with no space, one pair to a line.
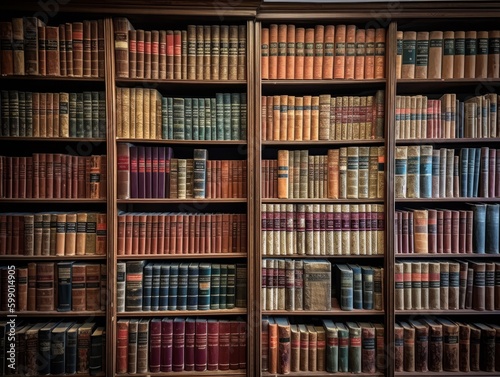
475,348
308,53
155,54
313,349
328,52
147,54
350,51
448,59
370,54
470,54
122,45
409,55
494,54
282,49
422,55
421,346
52,51
94,49
299,52
435,344
319,48
379,53
87,48
398,347
459,57
273,52
409,347
284,346
62,50
478,290
264,53
340,52
77,43
78,287
487,358
233,52
464,347
42,43
92,287
81,233
368,347
359,61
450,345
273,346
45,275
454,286
482,55
68,30
399,53
435,54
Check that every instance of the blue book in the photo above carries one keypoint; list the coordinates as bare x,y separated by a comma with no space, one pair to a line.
464,169
205,270
70,350
215,286
44,347
426,171
164,286
343,334
477,167
479,228
173,284
491,233
147,287
155,289
182,287
195,120
357,286
367,273
470,172
64,276
170,118
192,292
223,287
435,172
58,345
345,281
188,118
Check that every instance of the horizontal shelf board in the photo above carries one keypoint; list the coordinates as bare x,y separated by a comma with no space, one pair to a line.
175,313
51,257
207,373
183,142
183,82
445,373
48,200
431,256
337,312
323,142
323,82
464,140
181,256
446,200
449,81
54,139
55,313
51,78
324,374
316,200
325,256
447,312
180,201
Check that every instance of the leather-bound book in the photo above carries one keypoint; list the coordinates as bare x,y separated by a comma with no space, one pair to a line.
284,350
350,51
370,54
282,48
340,52
448,59
399,53
450,345
422,55
52,51
482,55
299,52
328,52
459,57
470,54
398,347
464,331
409,55
380,53
494,54
421,346
435,54
487,358
308,53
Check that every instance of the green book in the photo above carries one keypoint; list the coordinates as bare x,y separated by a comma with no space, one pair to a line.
215,286
102,115
95,114
178,119
170,118
219,117
235,116
343,352
188,118
214,119
223,286
201,119
87,114
227,116
164,118
208,119
195,119
332,346
79,115
231,286
29,114
243,116
355,347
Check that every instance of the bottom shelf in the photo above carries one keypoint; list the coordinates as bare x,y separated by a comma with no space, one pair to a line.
207,373
323,374
444,373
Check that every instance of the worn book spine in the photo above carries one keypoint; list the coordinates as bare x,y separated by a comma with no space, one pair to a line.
409,55
422,55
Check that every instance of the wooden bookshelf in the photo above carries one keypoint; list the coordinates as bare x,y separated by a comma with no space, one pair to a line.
180,313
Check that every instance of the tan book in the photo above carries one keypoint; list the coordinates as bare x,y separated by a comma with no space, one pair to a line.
299,52
309,54
313,349
470,54
459,57
283,168
290,51
314,118
352,172
435,54
409,55
70,241
448,54
494,54
282,47
422,55
319,40
81,231
399,53
482,55
350,51
343,173
379,53
214,51
333,173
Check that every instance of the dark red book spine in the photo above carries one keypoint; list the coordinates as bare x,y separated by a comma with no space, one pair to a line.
224,344
134,172
166,344
234,340
155,171
141,173
200,348
212,344
242,360
189,344
148,171
155,338
178,345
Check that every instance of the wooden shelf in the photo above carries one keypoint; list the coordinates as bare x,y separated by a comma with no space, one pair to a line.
444,373
54,313
182,142
181,201
449,81
180,313
323,374
309,143
181,256
447,312
51,78
361,82
51,257
326,256
207,373
54,139
180,82
463,140
337,312
322,200
446,200
48,200
457,256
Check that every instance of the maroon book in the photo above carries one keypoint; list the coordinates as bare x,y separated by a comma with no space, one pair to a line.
154,169
200,347
161,173
166,344
234,341
447,232
134,172
212,344
462,223
148,171
155,345
440,232
168,157
178,344
189,344
242,360
224,344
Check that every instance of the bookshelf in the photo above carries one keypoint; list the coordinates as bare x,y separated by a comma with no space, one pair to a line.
254,151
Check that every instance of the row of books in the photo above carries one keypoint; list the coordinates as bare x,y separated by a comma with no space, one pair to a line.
322,52
200,52
424,172
347,172
180,344
446,118
448,54
145,286
53,233
146,114
323,117
29,47
322,229
440,344
28,114
356,347
152,172
181,233
53,348
447,285
423,231
63,286
307,285
53,176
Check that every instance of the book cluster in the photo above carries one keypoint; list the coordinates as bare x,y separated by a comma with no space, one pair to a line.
322,229
53,233
432,231
348,172
53,176
322,52
446,117
180,344
448,54
355,347
200,52
323,117
62,286
151,286
181,233
440,344
425,172
305,284
153,172
29,47
146,114
449,285
28,114
58,347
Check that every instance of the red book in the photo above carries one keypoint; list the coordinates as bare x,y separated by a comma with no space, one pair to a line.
42,59
77,49
242,360
100,48
166,344
440,232
447,232
122,346
212,344
57,176
87,53
132,53
141,172
135,235
234,340
139,73
462,224
147,54
52,51
200,348
148,183
224,344
155,341
155,54
94,49
190,336
178,345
